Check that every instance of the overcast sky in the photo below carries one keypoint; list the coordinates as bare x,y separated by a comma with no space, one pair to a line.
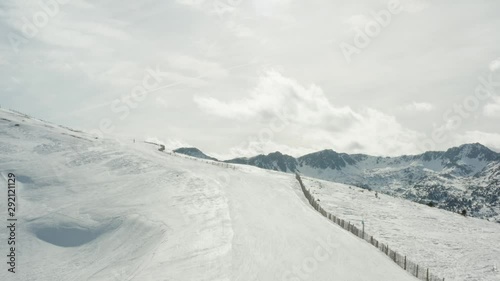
242,77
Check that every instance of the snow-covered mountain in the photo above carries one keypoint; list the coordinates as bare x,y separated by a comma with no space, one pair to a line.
194,152
462,178
274,161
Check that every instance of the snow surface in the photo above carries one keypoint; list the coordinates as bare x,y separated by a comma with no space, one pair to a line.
93,209
452,246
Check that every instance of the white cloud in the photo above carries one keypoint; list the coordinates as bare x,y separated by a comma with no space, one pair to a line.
254,147
15,80
273,94
414,6
88,55
269,8
495,65
202,68
491,140
313,121
492,109
192,3
239,30
419,107
356,21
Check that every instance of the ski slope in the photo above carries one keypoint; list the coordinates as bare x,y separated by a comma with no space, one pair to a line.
452,246
103,209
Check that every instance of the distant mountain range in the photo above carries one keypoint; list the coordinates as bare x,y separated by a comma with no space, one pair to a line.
462,178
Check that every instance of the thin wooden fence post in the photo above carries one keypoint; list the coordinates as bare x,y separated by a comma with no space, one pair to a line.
427,274
405,262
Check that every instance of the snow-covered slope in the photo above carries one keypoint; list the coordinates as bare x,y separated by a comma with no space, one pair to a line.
452,246
94,209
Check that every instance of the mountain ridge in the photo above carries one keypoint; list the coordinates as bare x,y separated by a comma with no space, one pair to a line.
194,152
460,178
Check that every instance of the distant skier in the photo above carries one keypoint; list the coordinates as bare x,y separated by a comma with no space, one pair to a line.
376,194
464,213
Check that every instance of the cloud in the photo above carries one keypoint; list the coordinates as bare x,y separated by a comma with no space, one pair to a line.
414,6
495,65
275,94
61,28
192,3
239,30
86,56
255,147
491,140
419,107
270,8
313,121
492,109
356,21
200,67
